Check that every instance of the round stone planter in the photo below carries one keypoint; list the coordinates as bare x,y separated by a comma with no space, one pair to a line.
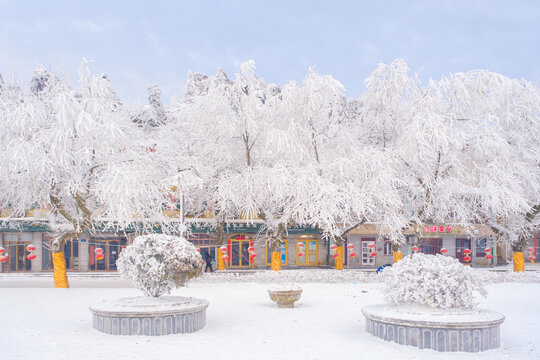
285,297
438,329
149,316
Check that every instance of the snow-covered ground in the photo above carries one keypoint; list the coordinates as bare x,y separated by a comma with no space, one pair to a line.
39,322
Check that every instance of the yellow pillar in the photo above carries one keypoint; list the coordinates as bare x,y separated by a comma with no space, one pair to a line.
339,259
276,261
60,273
220,262
519,263
398,255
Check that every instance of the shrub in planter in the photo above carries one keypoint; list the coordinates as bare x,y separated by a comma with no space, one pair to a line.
157,264
433,280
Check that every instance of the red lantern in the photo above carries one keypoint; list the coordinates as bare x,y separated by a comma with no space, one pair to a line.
372,245
3,258
467,258
2,250
251,248
98,251
489,257
225,258
335,255
529,249
467,251
373,254
353,254
253,255
100,257
300,253
531,258
300,245
199,250
30,248
444,250
350,246
31,257
488,250
415,248
223,249
333,247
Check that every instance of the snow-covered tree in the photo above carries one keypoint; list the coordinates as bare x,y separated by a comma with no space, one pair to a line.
153,114
157,264
225,126
501,118
76,152
465,147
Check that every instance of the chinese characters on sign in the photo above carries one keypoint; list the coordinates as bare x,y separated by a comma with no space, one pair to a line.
437,229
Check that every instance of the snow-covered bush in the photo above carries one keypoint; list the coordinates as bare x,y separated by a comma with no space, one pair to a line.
433,280
158,263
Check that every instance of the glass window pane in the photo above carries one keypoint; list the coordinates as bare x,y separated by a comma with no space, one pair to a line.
46,254
12,257
235,254
268,254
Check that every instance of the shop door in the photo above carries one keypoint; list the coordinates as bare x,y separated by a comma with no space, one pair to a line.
239,253
367,260
462,244
311,253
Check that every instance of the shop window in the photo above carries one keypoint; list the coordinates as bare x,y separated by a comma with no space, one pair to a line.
387,247
111,246
15,245
206,242
284,253
481,245
430,246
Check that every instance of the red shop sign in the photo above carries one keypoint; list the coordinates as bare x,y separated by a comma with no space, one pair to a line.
437,229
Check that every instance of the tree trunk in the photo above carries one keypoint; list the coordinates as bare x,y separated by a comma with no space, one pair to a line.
518,258
519,262
60,273
275,246
396,250
338,240
339,258
59,259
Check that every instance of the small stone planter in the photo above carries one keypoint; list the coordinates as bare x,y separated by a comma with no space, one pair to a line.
432,328
149,316
285,296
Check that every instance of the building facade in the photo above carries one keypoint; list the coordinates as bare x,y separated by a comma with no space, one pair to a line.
301,247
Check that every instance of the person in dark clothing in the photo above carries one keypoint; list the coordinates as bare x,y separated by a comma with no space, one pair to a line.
208,260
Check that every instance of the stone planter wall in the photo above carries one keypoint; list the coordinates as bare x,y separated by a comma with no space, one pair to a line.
472,331
115,317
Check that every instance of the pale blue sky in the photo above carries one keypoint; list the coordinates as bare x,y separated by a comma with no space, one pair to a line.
141,43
